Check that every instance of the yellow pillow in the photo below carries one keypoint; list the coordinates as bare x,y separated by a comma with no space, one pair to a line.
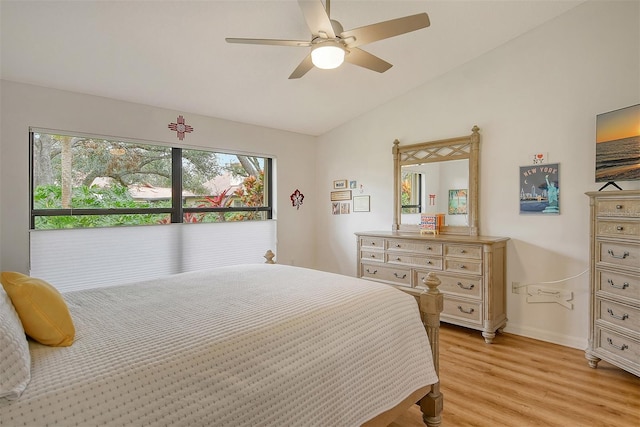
42,310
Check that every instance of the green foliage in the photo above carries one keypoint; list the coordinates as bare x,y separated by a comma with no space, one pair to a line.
198,167
83,197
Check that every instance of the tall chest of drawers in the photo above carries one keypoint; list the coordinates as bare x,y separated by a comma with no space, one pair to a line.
614,327
472,270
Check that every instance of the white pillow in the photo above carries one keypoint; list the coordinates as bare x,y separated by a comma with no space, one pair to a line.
15,360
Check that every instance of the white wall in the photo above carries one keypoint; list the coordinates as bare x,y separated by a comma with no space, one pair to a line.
25,105
538,93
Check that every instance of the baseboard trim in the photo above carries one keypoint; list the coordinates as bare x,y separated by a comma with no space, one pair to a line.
545,335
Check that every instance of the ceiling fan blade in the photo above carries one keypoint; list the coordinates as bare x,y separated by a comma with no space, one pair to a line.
302,69
317,18
275,42
386,29
365,59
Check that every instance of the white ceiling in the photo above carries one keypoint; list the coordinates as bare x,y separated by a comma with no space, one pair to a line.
173,54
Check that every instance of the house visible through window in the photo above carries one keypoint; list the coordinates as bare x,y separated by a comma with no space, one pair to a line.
80,181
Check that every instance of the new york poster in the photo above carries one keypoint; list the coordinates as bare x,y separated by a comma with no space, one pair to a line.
540,189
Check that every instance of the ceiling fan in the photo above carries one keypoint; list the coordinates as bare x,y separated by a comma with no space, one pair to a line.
331,45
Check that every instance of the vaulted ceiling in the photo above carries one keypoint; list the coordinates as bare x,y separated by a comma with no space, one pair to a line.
173,54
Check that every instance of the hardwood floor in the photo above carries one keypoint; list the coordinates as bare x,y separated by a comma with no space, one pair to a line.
518,381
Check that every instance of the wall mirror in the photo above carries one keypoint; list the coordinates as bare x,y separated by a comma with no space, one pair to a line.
437,177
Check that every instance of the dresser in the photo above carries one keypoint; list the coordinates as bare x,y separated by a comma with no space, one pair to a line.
472,270
614,325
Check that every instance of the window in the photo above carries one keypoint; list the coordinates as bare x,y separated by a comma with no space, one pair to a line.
80,181
411,192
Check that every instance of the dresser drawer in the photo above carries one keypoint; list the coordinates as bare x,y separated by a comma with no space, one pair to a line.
621,254
463,266
375,242
618,207
619,314
620,345
399,276
460,309
463,251
419,246
414,260
619,285
371,255
454,285
613,228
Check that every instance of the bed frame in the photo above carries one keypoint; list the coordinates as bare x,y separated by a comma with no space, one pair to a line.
430,399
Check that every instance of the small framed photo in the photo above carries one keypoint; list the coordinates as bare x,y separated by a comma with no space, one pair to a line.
344,208
361,203
337,196
353,184
340,184
335,208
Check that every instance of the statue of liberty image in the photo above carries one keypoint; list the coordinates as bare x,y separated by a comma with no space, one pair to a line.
552,197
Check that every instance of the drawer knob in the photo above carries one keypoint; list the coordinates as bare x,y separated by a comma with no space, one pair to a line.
470,311
398,259
622,347
613,255
398,245
618,206
623,317
403,276
372,255
371,272
373,243
428,262
462,267
428,248
624,286
466,288
462,251
619,228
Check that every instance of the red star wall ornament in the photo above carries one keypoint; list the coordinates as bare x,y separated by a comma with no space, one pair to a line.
296,199
180,127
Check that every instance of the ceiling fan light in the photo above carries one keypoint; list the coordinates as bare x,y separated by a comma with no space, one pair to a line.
327,55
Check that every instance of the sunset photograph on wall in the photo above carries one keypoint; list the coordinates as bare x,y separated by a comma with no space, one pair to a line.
618,145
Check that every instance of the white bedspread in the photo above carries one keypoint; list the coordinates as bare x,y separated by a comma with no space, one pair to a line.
253,345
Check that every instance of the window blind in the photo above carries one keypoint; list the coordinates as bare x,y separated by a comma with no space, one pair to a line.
95,257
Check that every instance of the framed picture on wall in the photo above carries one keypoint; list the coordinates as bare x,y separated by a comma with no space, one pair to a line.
340,195
458,201
340,184
540,189
361,203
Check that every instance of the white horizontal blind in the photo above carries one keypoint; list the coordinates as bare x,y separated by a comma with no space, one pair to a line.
95,257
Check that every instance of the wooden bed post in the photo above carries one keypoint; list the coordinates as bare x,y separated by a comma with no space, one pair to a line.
269,257
431,304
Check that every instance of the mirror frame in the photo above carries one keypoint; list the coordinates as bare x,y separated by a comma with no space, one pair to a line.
464,147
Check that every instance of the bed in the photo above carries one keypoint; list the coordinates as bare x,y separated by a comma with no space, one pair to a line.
250,345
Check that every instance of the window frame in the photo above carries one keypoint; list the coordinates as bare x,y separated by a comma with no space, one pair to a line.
176,211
